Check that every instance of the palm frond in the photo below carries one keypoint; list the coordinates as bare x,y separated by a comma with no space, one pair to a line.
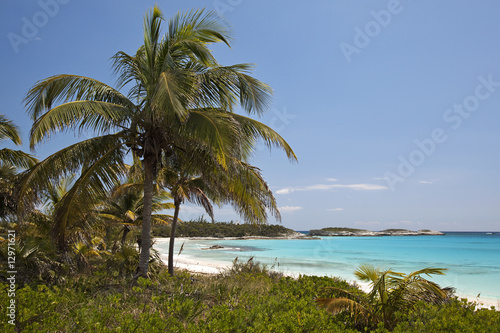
17,158
226,85
341,304
214,129
100,154
251,128
428,271
91,187
64,88
8,130
367,273
97,116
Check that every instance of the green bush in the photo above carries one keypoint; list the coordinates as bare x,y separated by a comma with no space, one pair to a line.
247,298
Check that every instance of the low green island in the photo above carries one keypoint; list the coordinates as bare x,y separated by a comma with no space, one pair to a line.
204,229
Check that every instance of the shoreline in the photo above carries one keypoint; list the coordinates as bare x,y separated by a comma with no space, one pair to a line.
213,267
196,266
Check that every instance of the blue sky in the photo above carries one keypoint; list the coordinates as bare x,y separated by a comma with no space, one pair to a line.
392,107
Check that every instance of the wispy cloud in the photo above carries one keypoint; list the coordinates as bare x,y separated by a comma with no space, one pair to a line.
425,182
323,187
284,191
289,209
335,209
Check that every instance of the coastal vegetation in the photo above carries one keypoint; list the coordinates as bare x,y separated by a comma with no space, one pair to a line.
78,223
246,298
202,228
392,294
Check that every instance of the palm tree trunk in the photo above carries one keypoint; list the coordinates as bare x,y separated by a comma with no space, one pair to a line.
126,230
177,204
60,240
142,270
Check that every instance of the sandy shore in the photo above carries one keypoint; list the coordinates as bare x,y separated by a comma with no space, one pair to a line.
195,265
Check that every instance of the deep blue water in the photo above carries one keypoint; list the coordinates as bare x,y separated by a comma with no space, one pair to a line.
472,258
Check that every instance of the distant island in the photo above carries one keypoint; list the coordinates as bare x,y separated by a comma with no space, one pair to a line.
336,231
205,229
218,230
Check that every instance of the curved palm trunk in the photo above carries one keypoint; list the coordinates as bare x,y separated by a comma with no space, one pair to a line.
142,270
177,204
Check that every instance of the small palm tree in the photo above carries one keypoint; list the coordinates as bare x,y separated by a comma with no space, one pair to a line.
125,207
83,251
391,292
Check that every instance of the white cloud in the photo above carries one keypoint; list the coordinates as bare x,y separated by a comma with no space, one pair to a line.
322,187
365,187
318,187
332,179
425,181
335,209
289,209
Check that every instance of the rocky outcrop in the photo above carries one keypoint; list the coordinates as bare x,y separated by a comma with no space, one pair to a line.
368,233
213,247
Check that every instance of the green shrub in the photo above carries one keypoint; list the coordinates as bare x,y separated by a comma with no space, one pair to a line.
248,298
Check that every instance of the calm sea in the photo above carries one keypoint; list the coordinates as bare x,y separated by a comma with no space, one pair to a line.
472,258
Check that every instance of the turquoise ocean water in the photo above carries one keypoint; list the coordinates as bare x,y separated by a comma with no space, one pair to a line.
472,259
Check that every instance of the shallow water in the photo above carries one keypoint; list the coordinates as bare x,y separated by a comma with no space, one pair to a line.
472,259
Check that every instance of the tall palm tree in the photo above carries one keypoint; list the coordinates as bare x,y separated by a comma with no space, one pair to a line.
179,94
390,292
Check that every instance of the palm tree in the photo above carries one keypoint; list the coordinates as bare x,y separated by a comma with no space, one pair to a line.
179,94
15,158
125,206
82,220
10,162
180,175
195,176
390,292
